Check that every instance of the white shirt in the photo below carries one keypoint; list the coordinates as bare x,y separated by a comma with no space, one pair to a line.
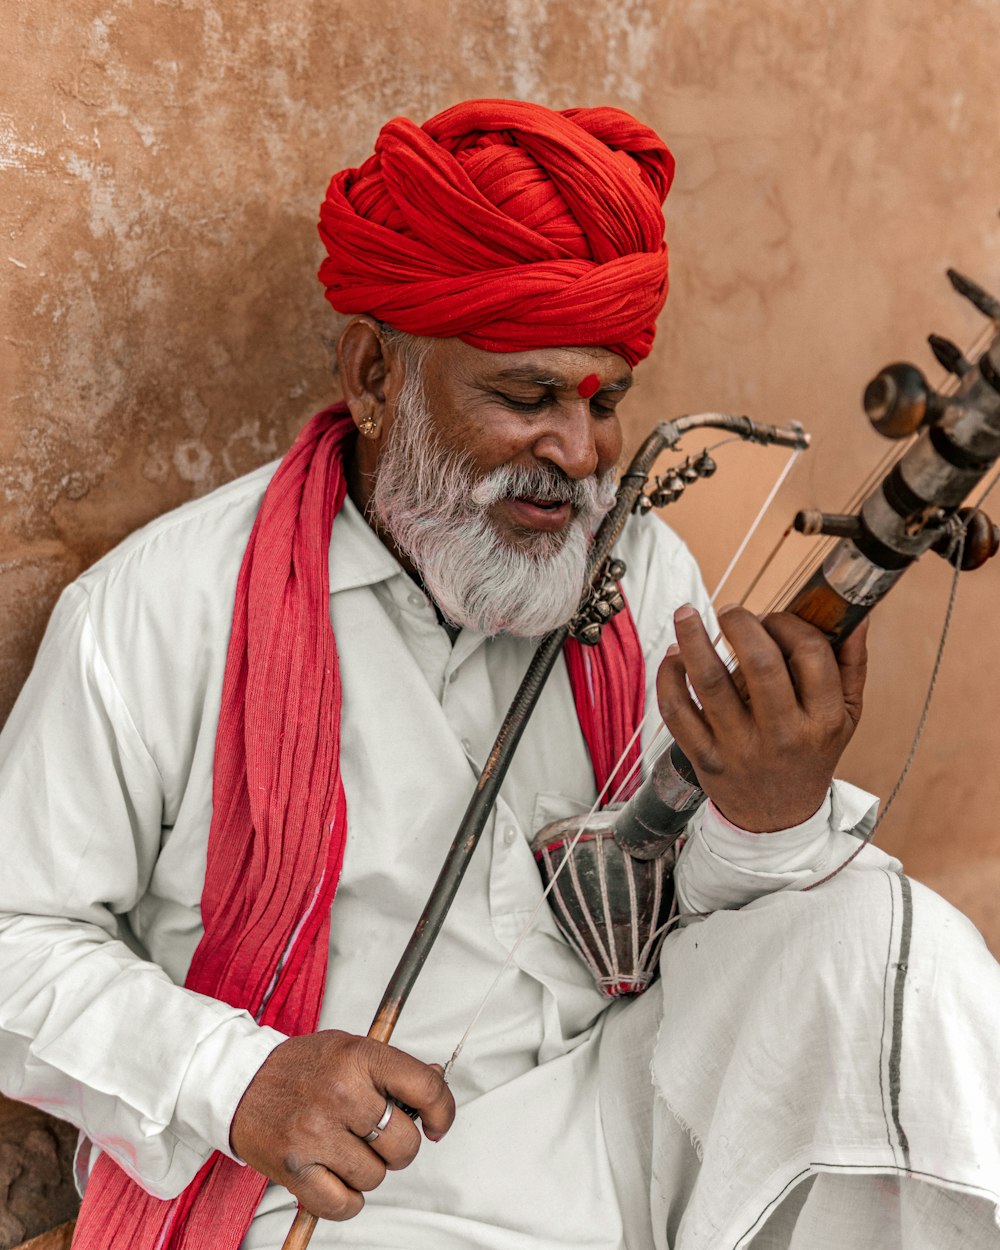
105,806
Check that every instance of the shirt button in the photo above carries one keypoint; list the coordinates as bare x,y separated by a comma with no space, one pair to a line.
466,746
417,601
510,835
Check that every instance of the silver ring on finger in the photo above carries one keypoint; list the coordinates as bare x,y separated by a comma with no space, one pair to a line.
382,1124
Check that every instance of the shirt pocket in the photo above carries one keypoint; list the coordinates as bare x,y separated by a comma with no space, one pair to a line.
552,805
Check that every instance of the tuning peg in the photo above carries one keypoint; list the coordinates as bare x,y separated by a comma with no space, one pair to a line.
949,355
705,465
972,291
832,524
898,401
982,540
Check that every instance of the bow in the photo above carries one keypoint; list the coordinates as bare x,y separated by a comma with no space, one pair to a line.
949,443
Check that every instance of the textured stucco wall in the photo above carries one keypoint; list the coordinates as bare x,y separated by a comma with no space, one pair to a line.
162,162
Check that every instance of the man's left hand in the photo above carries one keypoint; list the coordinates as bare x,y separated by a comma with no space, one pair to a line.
766,758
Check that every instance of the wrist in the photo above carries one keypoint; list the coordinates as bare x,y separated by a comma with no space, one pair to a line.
757,826
771,819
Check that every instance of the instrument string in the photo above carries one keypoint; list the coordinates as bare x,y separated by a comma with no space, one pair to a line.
663,740
803,570
536,910
947,387
649,754
958,549
655,748
755,524
805,567
769,559
918,733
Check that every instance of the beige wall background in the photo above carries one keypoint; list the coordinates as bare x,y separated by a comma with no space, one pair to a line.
162,163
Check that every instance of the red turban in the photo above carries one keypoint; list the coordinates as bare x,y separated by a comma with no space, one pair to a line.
506,225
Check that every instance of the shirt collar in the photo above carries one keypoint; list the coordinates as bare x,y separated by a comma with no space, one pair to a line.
357,555
359,558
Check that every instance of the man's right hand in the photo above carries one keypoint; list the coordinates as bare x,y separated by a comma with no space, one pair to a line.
302,1118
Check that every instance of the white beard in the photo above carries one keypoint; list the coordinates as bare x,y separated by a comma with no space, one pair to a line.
429,501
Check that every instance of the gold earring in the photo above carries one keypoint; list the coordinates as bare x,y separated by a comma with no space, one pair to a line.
368,425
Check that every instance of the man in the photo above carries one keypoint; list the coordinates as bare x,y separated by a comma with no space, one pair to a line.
199,764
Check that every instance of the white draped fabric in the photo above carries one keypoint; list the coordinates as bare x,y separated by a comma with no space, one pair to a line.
837,1086
566,1137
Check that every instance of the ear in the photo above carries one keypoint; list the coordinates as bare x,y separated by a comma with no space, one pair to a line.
365,366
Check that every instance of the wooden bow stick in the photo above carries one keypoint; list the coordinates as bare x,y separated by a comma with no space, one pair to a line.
667,434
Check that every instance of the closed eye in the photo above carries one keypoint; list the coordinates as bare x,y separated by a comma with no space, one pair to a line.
524,405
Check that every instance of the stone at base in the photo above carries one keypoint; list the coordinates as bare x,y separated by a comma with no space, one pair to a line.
36,1178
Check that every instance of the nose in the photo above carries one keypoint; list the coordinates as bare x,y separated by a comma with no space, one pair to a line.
577,442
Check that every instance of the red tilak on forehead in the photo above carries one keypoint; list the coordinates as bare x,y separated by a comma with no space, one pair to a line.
588,386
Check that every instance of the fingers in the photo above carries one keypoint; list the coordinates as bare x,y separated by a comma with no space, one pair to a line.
765,739
303,1117
829,685
322,1193
332,1185
681,715
813,666
821,683
853,661
709,677
418,1085
707,672
763,670
397,1144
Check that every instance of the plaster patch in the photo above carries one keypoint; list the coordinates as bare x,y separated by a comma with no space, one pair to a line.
14,152
99,30
956,107
527,28
193,461
156,468
632,34
195,415
98,177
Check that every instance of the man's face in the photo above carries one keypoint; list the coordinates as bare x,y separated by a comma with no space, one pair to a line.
493,473
551,407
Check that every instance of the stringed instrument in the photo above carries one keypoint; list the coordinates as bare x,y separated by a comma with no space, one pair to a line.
620,860
916,507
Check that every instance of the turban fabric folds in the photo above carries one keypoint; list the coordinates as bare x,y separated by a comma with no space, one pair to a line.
506,225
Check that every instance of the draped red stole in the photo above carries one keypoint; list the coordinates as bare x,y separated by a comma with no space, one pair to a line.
279,818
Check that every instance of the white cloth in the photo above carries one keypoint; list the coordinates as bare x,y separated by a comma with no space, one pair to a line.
850,1031
105,801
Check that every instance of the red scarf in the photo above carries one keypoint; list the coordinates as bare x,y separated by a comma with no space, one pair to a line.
279,819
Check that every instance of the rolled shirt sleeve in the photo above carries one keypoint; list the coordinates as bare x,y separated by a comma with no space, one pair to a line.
723,866
89,1029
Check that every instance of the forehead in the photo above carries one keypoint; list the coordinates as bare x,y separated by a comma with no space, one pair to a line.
559,367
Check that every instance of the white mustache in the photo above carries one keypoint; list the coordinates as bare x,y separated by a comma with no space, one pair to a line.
592,496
